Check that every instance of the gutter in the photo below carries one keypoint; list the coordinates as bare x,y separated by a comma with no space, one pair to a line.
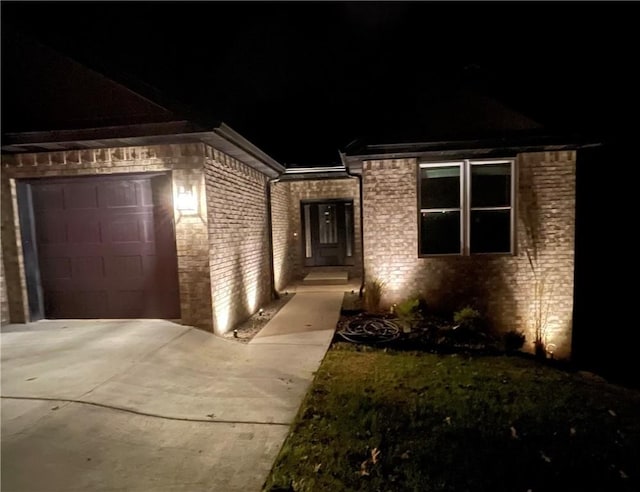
239,141
360,191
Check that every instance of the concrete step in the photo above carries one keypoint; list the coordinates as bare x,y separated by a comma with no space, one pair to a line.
326,278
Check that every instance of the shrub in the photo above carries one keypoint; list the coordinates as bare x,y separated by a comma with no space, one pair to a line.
408,313
513,340
373,294
468,318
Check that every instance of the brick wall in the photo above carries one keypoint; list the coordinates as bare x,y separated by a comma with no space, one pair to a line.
192,247
238,239
285,238
185,160
297,191
502,286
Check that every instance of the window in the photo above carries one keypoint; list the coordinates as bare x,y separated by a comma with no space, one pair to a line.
466,207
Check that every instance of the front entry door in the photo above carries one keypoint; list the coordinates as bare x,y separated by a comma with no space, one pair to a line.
328,233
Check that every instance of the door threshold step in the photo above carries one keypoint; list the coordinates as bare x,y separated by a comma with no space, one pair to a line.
326,278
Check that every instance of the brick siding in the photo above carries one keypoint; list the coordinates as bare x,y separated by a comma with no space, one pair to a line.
501,286
238,239
285,238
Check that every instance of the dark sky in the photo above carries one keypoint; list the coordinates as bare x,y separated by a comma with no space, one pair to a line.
302,79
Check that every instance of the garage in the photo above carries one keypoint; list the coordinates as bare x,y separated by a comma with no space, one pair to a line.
100,247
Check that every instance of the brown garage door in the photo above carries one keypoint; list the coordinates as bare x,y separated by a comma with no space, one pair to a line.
106,247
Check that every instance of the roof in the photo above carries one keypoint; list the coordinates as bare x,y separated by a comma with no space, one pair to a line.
505,146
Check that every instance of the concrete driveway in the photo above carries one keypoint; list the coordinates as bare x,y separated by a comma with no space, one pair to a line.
145,405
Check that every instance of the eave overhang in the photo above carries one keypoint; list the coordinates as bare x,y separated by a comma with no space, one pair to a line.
314,173
221,137
353,158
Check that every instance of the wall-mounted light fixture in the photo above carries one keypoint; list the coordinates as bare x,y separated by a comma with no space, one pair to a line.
187,199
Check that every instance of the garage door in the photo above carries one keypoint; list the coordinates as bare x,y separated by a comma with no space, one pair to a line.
106,247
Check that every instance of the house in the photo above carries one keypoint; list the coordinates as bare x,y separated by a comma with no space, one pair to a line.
131,210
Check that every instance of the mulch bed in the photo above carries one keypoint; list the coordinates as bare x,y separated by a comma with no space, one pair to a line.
245,332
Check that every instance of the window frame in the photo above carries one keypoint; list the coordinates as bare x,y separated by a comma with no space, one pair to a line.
465,205
431,165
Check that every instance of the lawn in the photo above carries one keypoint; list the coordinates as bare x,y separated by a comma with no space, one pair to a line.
377,420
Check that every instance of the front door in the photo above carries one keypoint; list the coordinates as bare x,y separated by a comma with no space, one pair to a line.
327,233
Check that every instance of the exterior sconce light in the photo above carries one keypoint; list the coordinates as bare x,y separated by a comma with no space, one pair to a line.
187,200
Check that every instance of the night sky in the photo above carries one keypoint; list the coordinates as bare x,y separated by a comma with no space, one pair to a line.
301,80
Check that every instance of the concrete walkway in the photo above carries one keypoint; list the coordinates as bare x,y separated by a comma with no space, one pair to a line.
308,319
142,405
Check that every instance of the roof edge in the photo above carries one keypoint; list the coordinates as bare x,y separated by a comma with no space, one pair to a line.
221,136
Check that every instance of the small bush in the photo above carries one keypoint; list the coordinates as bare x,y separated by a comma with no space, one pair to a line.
408,313
373,294
468,318
513,340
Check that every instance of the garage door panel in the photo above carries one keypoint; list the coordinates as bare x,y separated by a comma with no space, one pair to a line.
56,303
126,231
122,194
93,303
49,198
84,231
132,303
127,266
85,304
81,196
53,231
89,269
107,250
56,268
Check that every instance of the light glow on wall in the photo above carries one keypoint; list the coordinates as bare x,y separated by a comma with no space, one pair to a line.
403,279
251,292
222,318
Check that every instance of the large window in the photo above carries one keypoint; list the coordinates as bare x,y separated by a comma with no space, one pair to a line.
466,207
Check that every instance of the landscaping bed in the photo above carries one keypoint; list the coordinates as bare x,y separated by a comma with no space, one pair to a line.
245,332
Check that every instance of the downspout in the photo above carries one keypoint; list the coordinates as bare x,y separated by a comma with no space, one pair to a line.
360,191
272,271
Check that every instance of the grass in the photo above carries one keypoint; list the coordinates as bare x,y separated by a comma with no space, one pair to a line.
391,421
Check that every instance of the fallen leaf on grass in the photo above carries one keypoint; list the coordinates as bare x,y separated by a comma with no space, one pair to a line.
316,468
572,431
405,455
623,474
612,413
363,469
448,420
545,457
375,452
514,433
